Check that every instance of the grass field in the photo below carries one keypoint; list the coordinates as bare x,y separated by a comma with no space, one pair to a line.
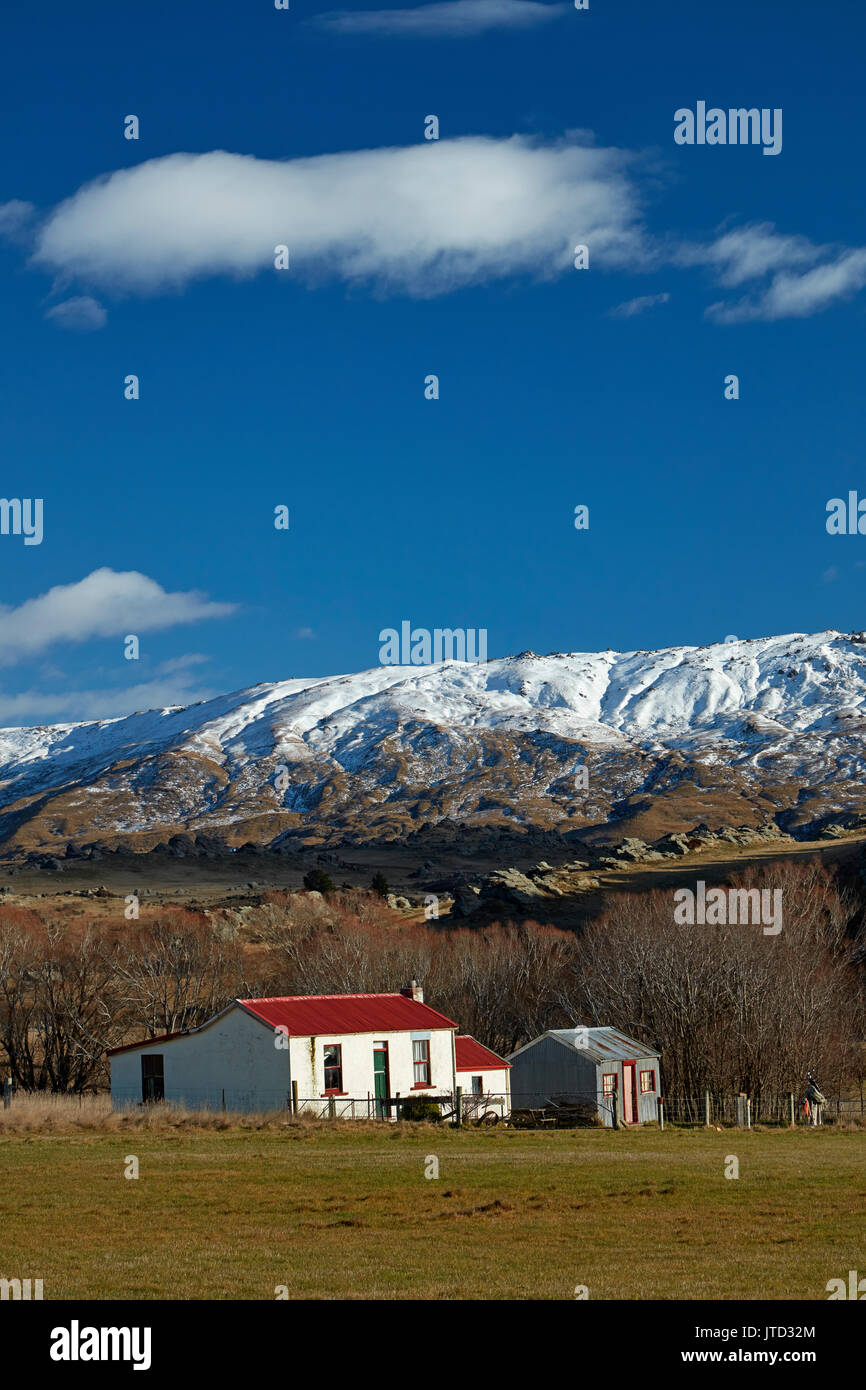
346,1212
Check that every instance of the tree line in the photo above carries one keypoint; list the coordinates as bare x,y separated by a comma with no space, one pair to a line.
729,1008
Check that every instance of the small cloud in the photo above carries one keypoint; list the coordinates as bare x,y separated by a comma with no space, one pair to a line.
449,19
750,252
638,306
106,603
305,634
830,575
792,295
79,315
15,219
175,664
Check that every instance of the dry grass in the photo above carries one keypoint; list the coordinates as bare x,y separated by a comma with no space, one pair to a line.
228,1207
65,1114
61,1114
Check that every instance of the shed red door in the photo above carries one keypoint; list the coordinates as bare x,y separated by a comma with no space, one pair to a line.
629,1093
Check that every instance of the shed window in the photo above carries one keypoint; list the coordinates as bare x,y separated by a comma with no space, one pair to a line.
608,1083
421,1061
152,1076
478,1085
647,1082
333,1067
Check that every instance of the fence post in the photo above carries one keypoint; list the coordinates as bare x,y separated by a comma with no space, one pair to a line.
7,1093
458,1111
368,1105
397,1107
223,1101
792,1120
332,1108
748,1113
615,1110
661,1112
294,1097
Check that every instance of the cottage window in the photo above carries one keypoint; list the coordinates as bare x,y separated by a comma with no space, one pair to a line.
608,1083
421,1061
333,1067
478,1085
647,1082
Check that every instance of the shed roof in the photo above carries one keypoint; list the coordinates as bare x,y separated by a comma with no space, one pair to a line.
311,1015
473,1056
601,1044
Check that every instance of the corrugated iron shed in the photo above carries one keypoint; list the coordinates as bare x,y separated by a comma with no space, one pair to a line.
603,1044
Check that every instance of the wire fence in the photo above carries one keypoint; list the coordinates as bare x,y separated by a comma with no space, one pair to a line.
529,1110
787,1109
473,1106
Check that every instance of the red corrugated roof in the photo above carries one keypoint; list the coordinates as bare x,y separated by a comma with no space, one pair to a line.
471,1056
311,1015
146,1042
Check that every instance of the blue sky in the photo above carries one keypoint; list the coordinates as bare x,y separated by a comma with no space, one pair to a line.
306,387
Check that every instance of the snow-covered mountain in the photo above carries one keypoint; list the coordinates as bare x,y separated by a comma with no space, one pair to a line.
734,732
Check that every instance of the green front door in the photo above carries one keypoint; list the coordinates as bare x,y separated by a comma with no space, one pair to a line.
380,1078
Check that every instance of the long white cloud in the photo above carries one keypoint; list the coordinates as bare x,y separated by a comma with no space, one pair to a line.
449,19
422,219
60,706
107,603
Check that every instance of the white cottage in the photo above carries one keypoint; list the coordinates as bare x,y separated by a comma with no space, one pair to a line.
351,1055
597,1067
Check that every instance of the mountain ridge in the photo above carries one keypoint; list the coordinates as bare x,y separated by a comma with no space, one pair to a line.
736,732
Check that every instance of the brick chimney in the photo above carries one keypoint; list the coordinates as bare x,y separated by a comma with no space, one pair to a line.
414,991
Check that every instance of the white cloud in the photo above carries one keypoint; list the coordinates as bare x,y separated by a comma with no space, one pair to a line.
38,706
747,253
638,306
423,219
15,219
182,663
106,603
81,314
451,19
800,277
790,295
